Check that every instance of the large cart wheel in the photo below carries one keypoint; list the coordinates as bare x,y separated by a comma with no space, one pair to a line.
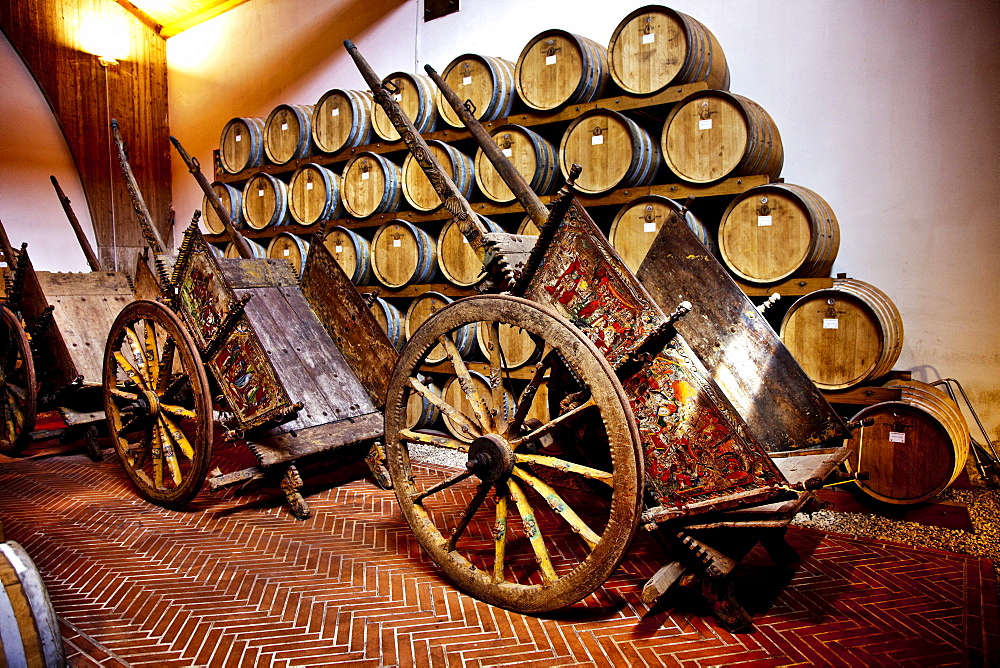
19,385
529,516
158,404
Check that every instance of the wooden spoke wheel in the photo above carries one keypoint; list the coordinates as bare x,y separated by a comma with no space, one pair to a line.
158,403
520,517
19,385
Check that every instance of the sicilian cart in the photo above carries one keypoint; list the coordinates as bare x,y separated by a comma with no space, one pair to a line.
672,406
293,369
52,339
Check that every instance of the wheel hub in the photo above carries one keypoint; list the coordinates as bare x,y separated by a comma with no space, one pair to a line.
147,404
490,458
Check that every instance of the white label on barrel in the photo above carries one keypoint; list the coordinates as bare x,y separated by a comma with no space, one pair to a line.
464,239
396,243
648,39
596,139
831,323
364,176
705,124
508,152
338,249
239,137
284,126
649,227
466,81
550,60
260,192
335,112
396,97
897,437
763,221
287,251
309,186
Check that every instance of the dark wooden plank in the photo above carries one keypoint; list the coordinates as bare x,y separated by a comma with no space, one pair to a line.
246,273
291,445
743,354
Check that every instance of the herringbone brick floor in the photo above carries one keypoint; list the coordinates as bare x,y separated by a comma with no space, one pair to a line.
239,582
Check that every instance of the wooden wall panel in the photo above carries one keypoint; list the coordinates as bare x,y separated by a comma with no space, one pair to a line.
84,95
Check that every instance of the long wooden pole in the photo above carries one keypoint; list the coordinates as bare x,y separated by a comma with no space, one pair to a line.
149,231
88,250
6,248
242,247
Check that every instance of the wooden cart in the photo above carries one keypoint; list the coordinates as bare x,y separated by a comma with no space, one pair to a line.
291,368
698,424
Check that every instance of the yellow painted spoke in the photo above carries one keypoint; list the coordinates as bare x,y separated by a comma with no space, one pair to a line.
130,371
169,456
432,439
528,395
452,413
500,539
550,426
156,453
177,436
17,393
465,382
444,484
137,352
499,410
150,348
166,364
477,501
122,394
566,466
179,411
557,504
533,532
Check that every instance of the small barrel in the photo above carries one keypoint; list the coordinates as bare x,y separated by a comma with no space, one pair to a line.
844,335
232,202
655,47
485,81
422,308
612,149
29,630
216,250
256,249
528,227
415,94
370,185
454,395
391,320
713,134
532,156
456,259
636,224
417,188
777,231
352,252
917,447
287,133
402,254
314,195
241,145
518,347
540,404
557,68
265,202
420,412
286,246
342,119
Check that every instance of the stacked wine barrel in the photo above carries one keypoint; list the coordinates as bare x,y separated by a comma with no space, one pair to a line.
669,125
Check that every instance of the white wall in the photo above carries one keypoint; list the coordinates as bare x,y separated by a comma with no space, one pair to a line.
32,148
887,109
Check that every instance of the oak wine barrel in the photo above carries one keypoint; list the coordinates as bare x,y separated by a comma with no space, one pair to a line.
518,346
342,119
456,259
314,195
533,157
422,308
612,149
917,447
257,249
402,254
415,94
288,132
352,252
241,145
844,335
370,184
777,231
232,202
29,630
636,224
556,68
265,202
485,81
417,187
286,246
420,412
528,227
390,319
455,396
655,47
713,134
